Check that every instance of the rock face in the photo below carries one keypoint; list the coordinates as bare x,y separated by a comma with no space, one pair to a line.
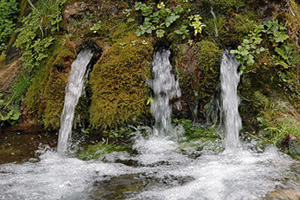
284,195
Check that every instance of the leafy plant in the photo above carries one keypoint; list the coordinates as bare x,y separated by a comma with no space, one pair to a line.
196,24
96,26
8,10
8,113
156,19
251,46
19,90
183,31
34,38
276,35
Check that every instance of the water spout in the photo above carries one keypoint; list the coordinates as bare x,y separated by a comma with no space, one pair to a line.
230,100
73,93
165,87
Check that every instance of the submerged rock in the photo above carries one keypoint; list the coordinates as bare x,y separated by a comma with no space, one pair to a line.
285,194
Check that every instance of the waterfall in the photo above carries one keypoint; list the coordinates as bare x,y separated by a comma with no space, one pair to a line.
73,93
165,87
230,100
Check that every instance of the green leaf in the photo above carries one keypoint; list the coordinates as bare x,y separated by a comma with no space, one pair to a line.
178,32
130,20
170,19
160,33
281,52
178,9
250,62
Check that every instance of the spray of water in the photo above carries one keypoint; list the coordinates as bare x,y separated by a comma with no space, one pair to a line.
230,100
165,87
73,93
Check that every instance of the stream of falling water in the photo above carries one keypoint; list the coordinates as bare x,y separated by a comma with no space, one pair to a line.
73,93
163,169
230,100
165,88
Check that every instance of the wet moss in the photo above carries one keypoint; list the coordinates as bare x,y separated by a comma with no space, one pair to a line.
45,97
118,82
100,149
198,68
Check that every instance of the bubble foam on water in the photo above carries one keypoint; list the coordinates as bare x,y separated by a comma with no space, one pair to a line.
53,177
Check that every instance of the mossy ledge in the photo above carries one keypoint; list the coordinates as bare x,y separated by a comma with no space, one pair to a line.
45,97
118,83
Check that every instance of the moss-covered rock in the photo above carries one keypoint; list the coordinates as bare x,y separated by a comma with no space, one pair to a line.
100,149
118,83
198,69
45,97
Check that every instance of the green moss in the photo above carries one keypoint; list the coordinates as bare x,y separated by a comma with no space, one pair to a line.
118,83
225,6
2,58
45,97
198,68
95,151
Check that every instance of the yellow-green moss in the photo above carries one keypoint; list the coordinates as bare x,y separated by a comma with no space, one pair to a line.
225,6
45,97
118,82
2,59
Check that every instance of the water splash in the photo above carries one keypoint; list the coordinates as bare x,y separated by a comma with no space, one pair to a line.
230,100
165,87
73,93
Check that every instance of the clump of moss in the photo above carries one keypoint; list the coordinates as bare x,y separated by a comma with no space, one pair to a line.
198,68
99,149
226,6
118,83
45,97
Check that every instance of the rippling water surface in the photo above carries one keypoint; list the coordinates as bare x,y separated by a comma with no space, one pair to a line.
158,171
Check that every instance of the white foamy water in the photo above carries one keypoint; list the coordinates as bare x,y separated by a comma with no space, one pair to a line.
53,177
230,175
73,93
166,174
230,100
165,88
